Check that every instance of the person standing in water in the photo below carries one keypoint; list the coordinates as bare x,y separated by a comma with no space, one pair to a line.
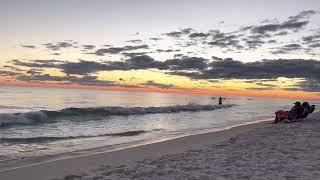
220,100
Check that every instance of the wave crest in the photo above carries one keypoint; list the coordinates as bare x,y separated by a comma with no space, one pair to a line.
29,118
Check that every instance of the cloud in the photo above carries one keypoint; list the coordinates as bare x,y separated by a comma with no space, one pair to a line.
158,85
82,67
60,45
265,69
85,80
132,54
167,50
315,45
263,84
155,39
28,46
224,40
287,48
294,23
135,41
198,68
186,63
37,63
302,15
180,33
312,41
261,88
117,50
34,71
9,73
282,33
199,35
310,85
88,47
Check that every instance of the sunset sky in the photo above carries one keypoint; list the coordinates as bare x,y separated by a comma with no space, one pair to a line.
231,47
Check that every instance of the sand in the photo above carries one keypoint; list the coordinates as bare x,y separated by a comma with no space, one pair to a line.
256,151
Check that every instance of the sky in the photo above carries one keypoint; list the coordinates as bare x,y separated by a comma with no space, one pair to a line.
232,47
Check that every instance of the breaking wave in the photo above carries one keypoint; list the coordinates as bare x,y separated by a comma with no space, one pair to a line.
43,116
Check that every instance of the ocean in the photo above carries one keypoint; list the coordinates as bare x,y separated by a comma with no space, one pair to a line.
54,122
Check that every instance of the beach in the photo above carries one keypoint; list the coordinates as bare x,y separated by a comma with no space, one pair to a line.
255,151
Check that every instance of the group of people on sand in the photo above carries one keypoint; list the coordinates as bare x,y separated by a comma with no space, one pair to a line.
298,111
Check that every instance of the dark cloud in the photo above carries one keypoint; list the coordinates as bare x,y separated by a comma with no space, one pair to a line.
302,15
178,55
315,45
167,50
158,85
311,39
37,63
224,40
117,50
135,41
265,69
282,33
261,88
155,39
132,54
186,63
175,34
60,45
9,73
28,46
56,54
197,68
199,35
253,43
88,47
294,23
180,33
82,67
85,80
264,84
34,71
310,85
287,48
272,41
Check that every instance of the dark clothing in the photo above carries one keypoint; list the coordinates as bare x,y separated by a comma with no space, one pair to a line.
296,112
220,100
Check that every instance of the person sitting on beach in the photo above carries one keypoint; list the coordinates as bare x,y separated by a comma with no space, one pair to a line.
306,110
297,112
293,114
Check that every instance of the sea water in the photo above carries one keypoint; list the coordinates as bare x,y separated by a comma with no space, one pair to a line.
38,122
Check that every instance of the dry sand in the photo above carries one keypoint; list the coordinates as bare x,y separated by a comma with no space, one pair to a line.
256,151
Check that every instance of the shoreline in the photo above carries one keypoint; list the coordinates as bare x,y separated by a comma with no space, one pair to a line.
21,163
140,151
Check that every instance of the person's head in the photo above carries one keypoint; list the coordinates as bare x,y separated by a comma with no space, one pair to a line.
306,104
298,104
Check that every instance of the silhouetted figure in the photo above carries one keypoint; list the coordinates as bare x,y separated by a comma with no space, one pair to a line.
296,111
220,100
305,110
312,108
